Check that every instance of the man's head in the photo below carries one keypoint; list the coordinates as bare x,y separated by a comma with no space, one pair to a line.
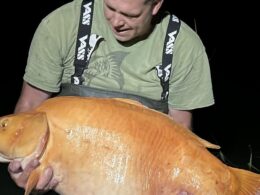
131,19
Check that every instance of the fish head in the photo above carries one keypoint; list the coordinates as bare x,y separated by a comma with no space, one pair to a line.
21,134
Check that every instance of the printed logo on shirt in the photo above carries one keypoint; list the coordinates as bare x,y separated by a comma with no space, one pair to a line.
87,14
93,42
109,67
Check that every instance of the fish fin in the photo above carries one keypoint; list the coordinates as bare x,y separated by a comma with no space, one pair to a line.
249,182
202,141
207,144
32,181
130,101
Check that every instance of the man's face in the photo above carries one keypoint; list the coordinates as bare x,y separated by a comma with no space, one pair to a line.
129,19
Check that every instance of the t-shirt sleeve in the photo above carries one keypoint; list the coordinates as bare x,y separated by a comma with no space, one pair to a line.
44,64
190,83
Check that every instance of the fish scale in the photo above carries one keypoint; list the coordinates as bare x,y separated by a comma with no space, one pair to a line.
119,147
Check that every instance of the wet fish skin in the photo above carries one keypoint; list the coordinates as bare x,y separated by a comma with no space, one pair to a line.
113,146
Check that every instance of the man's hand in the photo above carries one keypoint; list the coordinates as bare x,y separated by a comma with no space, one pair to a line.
20,176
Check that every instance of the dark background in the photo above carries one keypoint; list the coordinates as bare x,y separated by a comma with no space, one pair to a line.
229,38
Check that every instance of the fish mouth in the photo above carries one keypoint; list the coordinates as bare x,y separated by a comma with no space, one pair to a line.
25,160
5,159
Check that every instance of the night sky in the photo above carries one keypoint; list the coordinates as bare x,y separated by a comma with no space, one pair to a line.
228,37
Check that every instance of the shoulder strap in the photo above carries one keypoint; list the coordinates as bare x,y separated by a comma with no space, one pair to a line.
164,70
81,53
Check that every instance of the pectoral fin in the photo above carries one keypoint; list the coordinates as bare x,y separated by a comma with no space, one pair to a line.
207,144
130,101
32,181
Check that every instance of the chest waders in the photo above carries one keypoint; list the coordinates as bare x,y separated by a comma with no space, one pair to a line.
85,46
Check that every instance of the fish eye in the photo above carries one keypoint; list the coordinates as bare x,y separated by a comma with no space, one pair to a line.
3,123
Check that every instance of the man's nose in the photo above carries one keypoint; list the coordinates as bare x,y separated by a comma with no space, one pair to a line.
117,20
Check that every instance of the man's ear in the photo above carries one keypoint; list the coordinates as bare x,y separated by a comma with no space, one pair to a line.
157,4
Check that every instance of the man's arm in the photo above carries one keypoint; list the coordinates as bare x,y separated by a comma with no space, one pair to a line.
183,117
30,98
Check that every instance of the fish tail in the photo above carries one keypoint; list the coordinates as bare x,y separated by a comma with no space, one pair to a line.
248,183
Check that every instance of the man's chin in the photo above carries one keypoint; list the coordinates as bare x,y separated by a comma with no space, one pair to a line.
127,40
123,38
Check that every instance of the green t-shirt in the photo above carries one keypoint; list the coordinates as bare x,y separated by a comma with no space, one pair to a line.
129,69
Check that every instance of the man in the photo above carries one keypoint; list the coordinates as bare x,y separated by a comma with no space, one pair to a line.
126,54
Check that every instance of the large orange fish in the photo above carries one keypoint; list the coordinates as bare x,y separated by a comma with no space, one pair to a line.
117,147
